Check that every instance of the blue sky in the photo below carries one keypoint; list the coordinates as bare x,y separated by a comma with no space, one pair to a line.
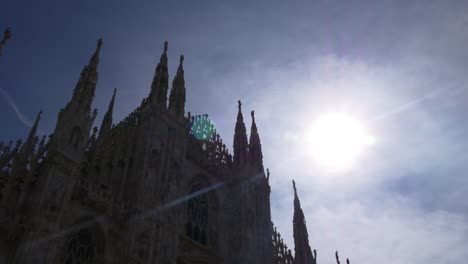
400,66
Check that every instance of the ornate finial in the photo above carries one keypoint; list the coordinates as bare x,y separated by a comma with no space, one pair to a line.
165,47
294,186
252,113
6,34
239,105
347,260
99,43
181,60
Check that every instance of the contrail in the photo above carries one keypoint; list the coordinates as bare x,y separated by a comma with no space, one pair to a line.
412,103
24,119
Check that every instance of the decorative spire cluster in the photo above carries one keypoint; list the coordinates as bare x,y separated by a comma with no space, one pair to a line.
281,253
338,258
18,165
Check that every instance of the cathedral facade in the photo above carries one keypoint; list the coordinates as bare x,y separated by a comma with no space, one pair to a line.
158,187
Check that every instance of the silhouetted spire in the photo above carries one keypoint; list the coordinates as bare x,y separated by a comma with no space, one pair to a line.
303,254
160,83
240,140
177,97
83,94
30,142
255,147
107,120
337,257
94,61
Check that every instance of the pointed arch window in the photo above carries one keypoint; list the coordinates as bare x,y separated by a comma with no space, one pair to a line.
197,216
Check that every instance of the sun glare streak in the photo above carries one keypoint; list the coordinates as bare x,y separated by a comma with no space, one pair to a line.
149,213
336,140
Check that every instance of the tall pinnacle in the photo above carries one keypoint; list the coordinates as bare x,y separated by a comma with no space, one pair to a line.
255,147
107,120
83,94
29,144
160,82
177,97
240,140
303,254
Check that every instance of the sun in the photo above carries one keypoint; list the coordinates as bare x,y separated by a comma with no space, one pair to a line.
336,140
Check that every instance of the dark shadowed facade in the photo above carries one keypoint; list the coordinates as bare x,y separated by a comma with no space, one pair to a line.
158,187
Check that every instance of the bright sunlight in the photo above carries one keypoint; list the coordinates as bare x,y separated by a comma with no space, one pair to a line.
337,139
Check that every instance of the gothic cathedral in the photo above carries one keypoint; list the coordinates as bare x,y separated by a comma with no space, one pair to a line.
157,187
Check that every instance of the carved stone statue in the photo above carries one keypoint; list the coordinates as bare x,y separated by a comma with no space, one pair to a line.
6,36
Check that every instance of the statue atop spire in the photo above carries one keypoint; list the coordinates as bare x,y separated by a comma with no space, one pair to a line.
165,47
99,44
6,36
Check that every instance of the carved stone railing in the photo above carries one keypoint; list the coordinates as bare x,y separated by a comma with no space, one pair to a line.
205,146
91,194
99,196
